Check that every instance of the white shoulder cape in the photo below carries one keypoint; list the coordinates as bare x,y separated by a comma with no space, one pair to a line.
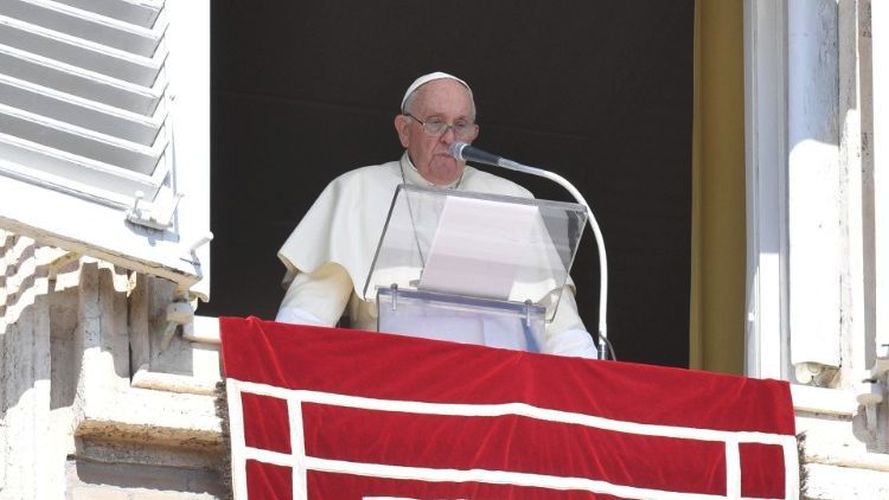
345,222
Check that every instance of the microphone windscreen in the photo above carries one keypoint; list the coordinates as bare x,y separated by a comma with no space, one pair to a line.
456,150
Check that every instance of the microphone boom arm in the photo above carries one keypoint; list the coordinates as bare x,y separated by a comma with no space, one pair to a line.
600,241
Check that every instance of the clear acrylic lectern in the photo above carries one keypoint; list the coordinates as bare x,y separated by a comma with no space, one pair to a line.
471,267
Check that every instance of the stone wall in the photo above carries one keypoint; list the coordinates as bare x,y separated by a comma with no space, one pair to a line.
845,456
95,400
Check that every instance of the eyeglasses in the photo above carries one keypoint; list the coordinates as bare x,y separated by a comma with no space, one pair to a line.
435,126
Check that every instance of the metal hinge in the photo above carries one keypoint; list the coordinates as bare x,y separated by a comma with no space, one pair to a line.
157,215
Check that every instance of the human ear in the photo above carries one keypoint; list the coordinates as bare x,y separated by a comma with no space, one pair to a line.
401,125
474,135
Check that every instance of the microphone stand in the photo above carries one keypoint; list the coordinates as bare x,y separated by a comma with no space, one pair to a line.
604,344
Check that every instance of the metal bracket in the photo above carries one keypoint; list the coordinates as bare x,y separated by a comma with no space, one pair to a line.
881,364
870,395
178,313
159,215
394,288
528,305
189,255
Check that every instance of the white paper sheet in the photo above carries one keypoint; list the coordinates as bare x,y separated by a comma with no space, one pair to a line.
479,247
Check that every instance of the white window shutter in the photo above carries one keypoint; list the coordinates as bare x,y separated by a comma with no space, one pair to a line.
104,130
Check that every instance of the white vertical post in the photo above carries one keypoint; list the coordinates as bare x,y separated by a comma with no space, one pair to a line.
880,48
855,199
813,186
765,70
188,65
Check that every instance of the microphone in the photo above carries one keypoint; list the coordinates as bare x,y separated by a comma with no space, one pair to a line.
464,152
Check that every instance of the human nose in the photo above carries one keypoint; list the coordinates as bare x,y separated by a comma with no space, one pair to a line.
449,135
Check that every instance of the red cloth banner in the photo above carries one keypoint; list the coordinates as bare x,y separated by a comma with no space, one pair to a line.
322,413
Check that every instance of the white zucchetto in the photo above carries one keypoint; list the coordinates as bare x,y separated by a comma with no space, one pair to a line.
436,75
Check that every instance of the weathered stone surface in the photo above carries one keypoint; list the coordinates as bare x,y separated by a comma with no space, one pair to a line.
89,479
837,482
71,423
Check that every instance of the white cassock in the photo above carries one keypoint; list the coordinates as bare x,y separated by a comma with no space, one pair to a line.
330,253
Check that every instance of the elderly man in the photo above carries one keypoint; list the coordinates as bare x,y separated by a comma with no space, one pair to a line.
330,252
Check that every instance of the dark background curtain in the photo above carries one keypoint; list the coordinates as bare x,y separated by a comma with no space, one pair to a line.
600,92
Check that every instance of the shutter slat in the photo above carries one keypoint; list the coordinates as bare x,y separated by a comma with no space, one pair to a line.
34,161
81,112
92,56
81,141
139,12
80,82
86,25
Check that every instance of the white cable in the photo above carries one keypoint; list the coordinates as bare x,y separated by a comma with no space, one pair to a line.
600,241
